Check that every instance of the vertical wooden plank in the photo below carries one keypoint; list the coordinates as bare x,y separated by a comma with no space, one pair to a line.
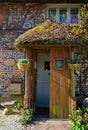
34,78
66,86
59,85
65,95
57,97
51,85
29,77
69,81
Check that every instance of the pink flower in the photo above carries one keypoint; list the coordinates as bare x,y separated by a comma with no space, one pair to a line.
75,20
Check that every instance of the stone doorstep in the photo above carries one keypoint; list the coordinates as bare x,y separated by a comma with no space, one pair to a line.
8,107
49,125
9,103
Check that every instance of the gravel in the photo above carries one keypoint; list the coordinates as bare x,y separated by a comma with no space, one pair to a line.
10,122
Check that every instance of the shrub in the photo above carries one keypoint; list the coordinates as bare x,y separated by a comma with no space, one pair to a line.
18,105
26,117
79,120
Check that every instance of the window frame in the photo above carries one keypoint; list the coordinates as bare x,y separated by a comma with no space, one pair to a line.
59,59
73,15
60,6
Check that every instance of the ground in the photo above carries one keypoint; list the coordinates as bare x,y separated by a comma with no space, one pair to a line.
49,125
10,122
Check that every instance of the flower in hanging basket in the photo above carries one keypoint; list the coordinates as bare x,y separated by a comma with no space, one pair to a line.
23,64
75,64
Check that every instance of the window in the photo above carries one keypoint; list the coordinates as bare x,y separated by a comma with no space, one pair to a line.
59,63
63,13
74,16
52,14
46,65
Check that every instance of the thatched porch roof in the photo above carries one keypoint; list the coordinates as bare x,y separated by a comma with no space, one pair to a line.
51,33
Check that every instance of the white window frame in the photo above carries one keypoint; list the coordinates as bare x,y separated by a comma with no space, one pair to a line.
67,6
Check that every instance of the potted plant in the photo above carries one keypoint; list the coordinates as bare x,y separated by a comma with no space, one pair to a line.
23,64
75,64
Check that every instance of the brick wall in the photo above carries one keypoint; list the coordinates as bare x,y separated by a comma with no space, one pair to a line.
15,19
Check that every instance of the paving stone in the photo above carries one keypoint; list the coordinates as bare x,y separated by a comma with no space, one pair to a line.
49,125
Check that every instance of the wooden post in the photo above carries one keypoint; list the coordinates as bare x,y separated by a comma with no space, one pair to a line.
72,101
30,78
73,84
26,98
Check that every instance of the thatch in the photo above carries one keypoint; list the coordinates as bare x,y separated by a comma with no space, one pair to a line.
50,33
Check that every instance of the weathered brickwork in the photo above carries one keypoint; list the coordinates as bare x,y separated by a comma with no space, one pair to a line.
15,19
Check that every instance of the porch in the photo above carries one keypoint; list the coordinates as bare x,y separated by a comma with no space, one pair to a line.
49,81
56,42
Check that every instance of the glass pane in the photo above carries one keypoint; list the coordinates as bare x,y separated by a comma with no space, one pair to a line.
59,63
46,65
63,15
74,11
74,16
52,14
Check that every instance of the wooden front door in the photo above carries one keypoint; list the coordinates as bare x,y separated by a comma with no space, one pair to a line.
60,83
43,80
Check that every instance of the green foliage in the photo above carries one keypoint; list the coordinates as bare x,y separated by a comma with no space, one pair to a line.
81,30
24,61
84,15
76,59
80,120
18,105
84,20
26,117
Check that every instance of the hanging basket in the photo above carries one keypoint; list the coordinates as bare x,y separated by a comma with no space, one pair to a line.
23,66
74,66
